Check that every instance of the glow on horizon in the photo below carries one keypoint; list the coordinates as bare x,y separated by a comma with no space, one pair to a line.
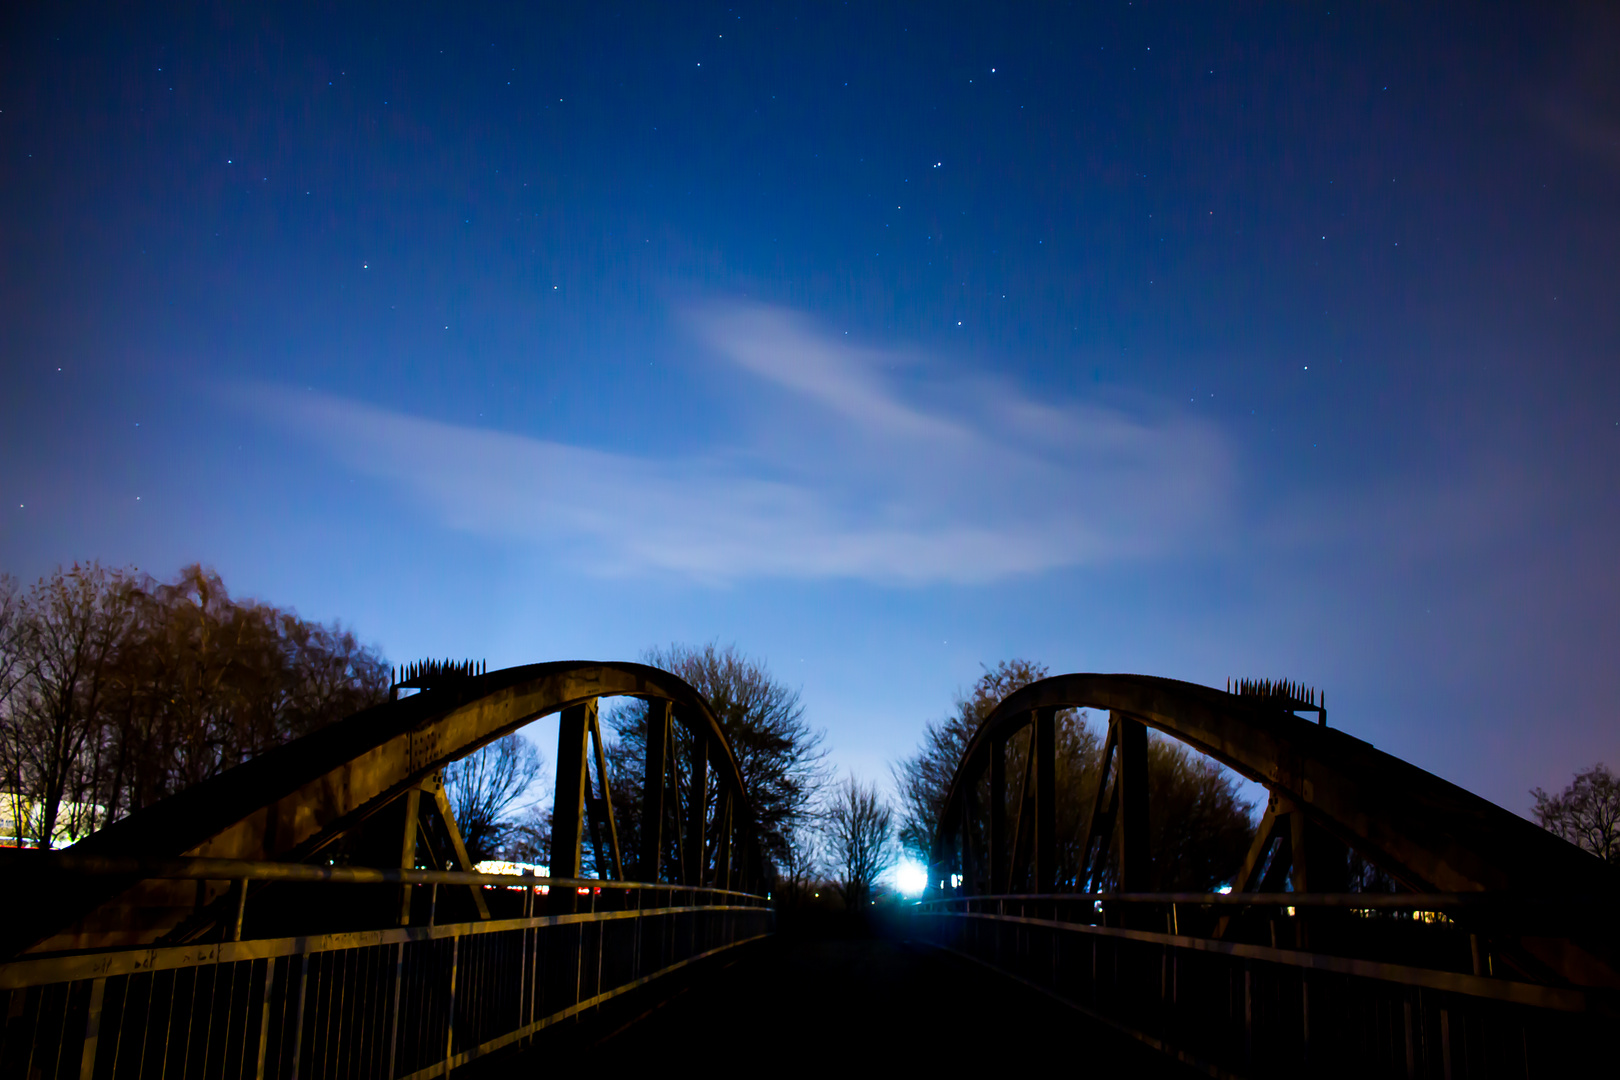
911,878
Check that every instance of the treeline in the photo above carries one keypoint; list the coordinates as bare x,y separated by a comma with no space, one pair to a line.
117,689
1199,825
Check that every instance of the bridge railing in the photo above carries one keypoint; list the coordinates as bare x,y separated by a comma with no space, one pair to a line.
1293,984
390,1002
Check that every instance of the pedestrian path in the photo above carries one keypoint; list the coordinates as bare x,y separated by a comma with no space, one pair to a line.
827,1004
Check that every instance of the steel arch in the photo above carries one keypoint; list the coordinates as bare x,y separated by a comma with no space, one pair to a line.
290,803
1432,835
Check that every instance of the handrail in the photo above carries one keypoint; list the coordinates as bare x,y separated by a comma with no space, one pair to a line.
1424,901
200,869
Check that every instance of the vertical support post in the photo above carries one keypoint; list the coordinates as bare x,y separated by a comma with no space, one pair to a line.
999,855
92,1030
1044,745
1134,863
568,805
1320,863
652,790
1320,859
407,849
697,809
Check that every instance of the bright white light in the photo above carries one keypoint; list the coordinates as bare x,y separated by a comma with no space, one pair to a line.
1224,890
911,878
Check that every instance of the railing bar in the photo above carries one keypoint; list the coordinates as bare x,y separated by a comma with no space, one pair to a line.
230,1003
393,1026
298,1018
63,968
186,869
264,1015
92,1030
62,1028
450,1012
344,1031
438,1068
1418,901
1567,1000
336,997
168,1023
376,1010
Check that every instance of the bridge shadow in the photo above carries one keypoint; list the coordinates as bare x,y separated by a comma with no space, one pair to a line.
835,995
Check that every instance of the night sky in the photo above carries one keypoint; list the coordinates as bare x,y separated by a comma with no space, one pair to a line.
884,341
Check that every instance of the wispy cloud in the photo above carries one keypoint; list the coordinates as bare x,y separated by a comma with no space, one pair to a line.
853,466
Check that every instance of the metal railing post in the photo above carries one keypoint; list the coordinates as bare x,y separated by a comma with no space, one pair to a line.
298,1017
264,1016
92,1030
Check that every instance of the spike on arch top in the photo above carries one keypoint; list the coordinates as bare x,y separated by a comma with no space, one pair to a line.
1290,695
426,674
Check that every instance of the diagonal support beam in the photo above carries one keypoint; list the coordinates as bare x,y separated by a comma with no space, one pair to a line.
442,801
1248,878
605,801
1100,824
1024,822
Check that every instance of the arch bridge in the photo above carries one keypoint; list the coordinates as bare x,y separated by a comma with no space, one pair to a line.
314,912
1489,950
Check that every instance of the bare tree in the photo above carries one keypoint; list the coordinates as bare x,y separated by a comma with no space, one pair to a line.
486,790
12,669
207,681
860,839
781,757
71,627
529,838
924,779
1587,813
117,690
799,868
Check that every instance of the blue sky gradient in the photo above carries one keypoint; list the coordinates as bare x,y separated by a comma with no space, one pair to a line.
884,341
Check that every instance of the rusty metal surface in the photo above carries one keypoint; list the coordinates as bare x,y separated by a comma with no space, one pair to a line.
290,803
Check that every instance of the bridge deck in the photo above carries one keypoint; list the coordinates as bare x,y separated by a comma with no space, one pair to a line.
817,1002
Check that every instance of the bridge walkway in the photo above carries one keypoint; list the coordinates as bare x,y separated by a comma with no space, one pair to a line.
827,1002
